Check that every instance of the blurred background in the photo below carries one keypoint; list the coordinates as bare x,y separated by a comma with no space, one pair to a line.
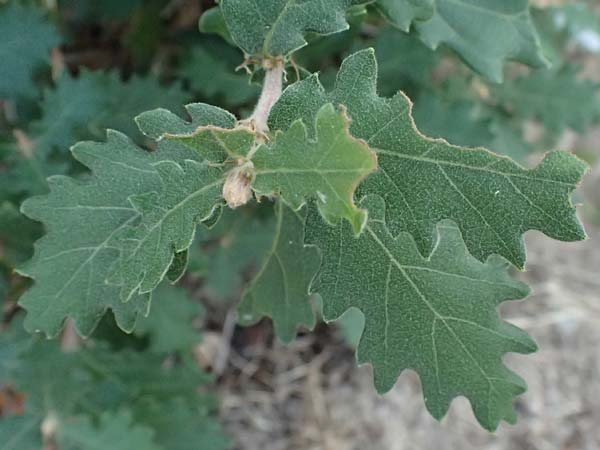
189,378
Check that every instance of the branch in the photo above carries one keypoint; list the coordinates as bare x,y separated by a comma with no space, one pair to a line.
271,91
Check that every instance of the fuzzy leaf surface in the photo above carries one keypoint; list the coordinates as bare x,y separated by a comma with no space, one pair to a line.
492,199
484,33
83,219
190,193
272,28
281,288
72,261
328,168
435,315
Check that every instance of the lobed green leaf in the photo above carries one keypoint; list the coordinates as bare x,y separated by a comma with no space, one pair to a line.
492,199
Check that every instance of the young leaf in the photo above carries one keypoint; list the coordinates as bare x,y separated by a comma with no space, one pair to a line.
217,145
115,430
329,168
484,34
492,199
189,195
272,28
71,263
27,38
280,290
436,315
169,326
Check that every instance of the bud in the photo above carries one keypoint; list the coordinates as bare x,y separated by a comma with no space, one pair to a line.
237,190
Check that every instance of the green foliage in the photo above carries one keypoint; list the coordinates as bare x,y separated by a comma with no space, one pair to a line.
73,259
113,429
189,195
225,253
575,103
94,101
336,195
26,38
328,168
169,327
93,397
423,181
436,315
274,28
211,74
485,34
281,288
20,432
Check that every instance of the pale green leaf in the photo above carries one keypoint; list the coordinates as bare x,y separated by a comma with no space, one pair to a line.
492,199
216,144
292,165
280,290
485,33
436,316
272,28
328,168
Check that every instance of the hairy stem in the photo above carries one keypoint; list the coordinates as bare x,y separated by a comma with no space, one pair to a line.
271,91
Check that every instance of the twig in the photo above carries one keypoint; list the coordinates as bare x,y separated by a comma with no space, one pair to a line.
271,91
